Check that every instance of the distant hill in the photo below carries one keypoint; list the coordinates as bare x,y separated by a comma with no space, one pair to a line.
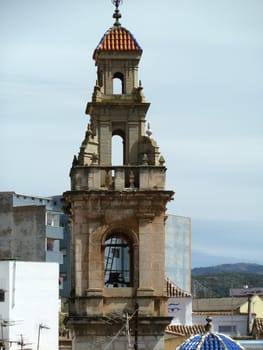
228,268
216,281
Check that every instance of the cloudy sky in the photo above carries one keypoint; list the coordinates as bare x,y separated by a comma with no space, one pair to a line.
202,72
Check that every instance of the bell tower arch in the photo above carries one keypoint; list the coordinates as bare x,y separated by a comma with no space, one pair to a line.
118,211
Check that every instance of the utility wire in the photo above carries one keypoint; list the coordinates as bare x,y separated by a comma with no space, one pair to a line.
125,326
115,337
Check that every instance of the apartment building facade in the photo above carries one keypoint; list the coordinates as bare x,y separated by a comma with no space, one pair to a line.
35,229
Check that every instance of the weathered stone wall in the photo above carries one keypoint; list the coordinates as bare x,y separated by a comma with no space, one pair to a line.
22,230
139,215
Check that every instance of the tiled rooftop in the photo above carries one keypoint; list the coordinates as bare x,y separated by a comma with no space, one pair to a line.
258,326
218,304
216,313
173,291
210,341
118,39
185,330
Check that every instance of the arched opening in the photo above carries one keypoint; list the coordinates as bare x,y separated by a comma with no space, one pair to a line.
117,157
117,261
118,84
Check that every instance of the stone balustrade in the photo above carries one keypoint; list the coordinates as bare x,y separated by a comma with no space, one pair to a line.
117,178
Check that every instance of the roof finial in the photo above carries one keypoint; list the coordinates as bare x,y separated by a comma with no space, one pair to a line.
149,131
209,326
117,14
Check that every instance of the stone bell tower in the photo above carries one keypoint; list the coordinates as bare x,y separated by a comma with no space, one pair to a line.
118,212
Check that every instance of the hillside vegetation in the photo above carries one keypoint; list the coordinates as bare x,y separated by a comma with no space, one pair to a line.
228,268
216,281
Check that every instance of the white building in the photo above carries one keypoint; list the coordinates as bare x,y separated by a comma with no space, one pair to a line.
29,305
232,316
178,251
226,323
181,310
35,229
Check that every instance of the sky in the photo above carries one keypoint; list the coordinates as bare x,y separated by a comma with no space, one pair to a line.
202,73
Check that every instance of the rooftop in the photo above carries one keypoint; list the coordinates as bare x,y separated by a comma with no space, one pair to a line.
118,39
209,340
185,330
218,304
258,326
173,291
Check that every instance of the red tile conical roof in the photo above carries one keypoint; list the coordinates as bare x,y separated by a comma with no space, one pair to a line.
118,39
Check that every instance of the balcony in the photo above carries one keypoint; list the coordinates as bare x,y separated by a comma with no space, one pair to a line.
55,232
54,256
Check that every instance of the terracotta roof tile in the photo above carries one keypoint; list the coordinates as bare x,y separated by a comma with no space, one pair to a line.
215,313
258,326
174,291
118,39
185,330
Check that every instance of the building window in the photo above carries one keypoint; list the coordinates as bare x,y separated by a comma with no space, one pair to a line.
2,295
62,280
50,244
117,262
63,251
229,330
53,219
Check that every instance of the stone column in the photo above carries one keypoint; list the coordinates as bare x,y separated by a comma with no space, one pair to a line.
145,255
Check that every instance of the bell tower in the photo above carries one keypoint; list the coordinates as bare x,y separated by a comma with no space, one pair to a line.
118,211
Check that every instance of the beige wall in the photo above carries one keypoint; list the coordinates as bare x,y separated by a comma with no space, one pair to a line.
256,306
172,341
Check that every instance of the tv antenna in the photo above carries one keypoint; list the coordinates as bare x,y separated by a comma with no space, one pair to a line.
21,343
